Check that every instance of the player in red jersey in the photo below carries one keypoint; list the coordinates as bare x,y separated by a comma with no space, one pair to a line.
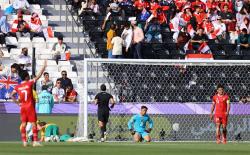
27,104
222,108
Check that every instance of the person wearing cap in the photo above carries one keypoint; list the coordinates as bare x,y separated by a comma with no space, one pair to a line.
45,101
20,27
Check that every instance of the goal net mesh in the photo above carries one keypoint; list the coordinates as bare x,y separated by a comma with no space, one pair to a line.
177,94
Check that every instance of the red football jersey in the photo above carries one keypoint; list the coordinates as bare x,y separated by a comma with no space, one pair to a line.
25,94
220,104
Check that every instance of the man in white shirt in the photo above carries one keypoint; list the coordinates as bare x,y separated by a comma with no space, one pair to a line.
21,6
25,60
117,43
127,35
59,48
58,92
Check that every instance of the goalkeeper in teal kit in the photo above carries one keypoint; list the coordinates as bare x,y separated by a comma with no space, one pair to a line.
137,125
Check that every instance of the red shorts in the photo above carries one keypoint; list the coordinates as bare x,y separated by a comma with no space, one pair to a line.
220,119
28,115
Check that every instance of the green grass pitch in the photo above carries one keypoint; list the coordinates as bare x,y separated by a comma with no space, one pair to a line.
171,148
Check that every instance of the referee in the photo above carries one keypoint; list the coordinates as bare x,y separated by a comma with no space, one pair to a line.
103,99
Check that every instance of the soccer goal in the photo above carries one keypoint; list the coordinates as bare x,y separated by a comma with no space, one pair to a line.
177,93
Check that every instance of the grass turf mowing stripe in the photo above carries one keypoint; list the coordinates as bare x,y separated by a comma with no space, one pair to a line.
127,149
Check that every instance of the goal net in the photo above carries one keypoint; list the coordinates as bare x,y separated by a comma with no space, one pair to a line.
177,93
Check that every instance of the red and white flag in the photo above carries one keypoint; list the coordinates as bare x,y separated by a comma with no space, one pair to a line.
48,32
174,24
204,48
214,34
188,46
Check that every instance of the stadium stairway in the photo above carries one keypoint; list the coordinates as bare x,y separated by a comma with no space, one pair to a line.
51,9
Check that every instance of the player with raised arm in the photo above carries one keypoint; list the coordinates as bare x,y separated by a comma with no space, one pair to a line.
137,125
221,104
103,99
27,104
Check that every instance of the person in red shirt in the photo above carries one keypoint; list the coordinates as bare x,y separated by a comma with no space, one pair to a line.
222,108
27,104
71,94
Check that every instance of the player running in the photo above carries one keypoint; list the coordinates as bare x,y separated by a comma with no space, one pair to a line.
139,121
27,104
222,108
103,99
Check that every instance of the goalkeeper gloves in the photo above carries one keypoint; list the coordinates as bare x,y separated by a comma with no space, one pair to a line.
148,130
132,131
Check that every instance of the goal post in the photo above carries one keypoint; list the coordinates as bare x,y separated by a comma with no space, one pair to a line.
177,92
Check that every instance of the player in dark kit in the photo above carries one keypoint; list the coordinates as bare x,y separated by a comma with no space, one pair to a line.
27,104
221,104
103,99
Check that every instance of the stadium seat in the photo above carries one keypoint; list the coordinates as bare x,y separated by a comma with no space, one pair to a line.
11,41
50,42
38,42
24,42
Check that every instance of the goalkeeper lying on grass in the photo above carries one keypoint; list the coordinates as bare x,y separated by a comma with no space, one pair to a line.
137,125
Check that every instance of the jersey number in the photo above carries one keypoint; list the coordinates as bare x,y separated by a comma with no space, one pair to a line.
25,94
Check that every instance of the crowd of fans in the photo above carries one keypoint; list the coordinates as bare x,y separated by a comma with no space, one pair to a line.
193,22
62,90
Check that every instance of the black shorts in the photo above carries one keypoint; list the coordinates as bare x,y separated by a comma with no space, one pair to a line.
103,116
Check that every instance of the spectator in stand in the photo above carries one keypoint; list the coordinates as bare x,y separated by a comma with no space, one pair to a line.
35,26
246,25
244,41
71,94
45,101
219,25
238,5
153,31
228,3
127,35
114,9
199,38
200,4
21,7
94,7
20,27
117,43
25,60
47,82
182,38
228,18
65,81
4,30
241,15
110,35
212,14
58,92
138,37
11,71
199,15
59,48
